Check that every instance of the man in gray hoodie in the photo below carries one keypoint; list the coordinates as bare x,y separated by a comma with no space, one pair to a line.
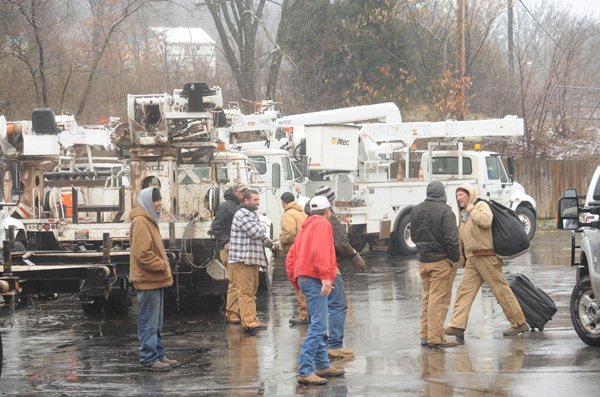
433,229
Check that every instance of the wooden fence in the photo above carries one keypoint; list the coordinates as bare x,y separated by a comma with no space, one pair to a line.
545,180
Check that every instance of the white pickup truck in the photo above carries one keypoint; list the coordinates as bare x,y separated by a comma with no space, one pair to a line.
585,297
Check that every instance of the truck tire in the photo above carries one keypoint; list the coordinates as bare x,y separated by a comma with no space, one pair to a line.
265,275
118,302
19,246
585,312
528,219
95,305
404,244
358,242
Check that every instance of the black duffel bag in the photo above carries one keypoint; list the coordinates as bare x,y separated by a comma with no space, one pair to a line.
508,233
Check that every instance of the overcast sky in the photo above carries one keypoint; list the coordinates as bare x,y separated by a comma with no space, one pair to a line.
581,7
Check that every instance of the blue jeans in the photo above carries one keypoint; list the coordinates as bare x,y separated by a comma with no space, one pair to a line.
337,314
313,353
150,322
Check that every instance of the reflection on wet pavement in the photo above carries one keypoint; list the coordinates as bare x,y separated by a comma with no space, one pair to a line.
57,350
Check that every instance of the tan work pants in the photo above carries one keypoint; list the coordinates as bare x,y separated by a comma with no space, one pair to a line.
436,293
245,284
477,271
232,302
302,305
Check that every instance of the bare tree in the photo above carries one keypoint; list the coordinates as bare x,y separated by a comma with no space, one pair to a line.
237,23
33,13
121,13
553,52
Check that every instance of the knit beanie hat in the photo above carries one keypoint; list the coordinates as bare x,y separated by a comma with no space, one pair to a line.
325,191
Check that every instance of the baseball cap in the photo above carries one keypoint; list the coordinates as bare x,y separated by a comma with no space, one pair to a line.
239,187
319,203
287,197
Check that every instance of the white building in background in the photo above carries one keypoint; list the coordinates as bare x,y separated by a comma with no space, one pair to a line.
188,46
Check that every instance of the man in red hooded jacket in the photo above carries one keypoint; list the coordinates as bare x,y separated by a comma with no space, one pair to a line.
311,266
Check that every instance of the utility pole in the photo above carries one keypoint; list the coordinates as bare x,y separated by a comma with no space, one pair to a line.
511,59
460,37
460,50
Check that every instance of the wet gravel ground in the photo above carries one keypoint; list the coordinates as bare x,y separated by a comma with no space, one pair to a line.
55,349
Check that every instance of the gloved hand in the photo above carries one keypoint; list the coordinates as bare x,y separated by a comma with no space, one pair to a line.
359,263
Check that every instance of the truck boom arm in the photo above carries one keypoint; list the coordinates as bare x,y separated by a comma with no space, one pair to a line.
407,133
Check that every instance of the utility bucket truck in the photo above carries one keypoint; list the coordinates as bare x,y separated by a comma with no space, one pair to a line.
357,161
355,151
76,194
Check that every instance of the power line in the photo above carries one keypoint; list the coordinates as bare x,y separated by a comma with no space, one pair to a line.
540,25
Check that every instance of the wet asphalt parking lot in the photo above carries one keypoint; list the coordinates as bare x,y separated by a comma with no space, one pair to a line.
55,349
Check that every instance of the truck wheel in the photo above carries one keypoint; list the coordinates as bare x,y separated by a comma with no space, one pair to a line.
357,242
585,312
19,246
265,275
117,302
404,244
528,219
94,306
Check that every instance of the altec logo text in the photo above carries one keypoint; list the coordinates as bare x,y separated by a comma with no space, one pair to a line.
340,141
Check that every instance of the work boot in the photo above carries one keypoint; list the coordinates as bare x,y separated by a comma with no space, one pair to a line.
298,321
165,360
458,332
444,343
330,372
424,342
311,379
340,353
157,366
233,318
255,327
519,329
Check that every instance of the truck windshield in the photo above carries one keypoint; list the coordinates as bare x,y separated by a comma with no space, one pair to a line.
596,195
287,169
448,165
260,163
495,169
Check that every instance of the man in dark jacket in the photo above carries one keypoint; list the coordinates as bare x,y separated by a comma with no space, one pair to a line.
221,229
433,229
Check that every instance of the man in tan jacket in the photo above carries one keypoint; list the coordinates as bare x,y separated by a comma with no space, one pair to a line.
291,223
481,265
150,273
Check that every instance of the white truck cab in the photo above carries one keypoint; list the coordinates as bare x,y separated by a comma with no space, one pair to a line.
491,179
277,174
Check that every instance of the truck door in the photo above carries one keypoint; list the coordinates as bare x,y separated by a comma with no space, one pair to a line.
497,185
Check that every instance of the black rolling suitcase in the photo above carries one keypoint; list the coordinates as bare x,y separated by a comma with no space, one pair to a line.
537,306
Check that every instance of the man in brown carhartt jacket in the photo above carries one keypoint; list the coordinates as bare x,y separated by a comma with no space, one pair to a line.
291,223
481,265
150,273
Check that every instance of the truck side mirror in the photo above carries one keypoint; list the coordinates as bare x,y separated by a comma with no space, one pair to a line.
212,199
16,182
276,175
570,192
511,167
304,165
568,213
